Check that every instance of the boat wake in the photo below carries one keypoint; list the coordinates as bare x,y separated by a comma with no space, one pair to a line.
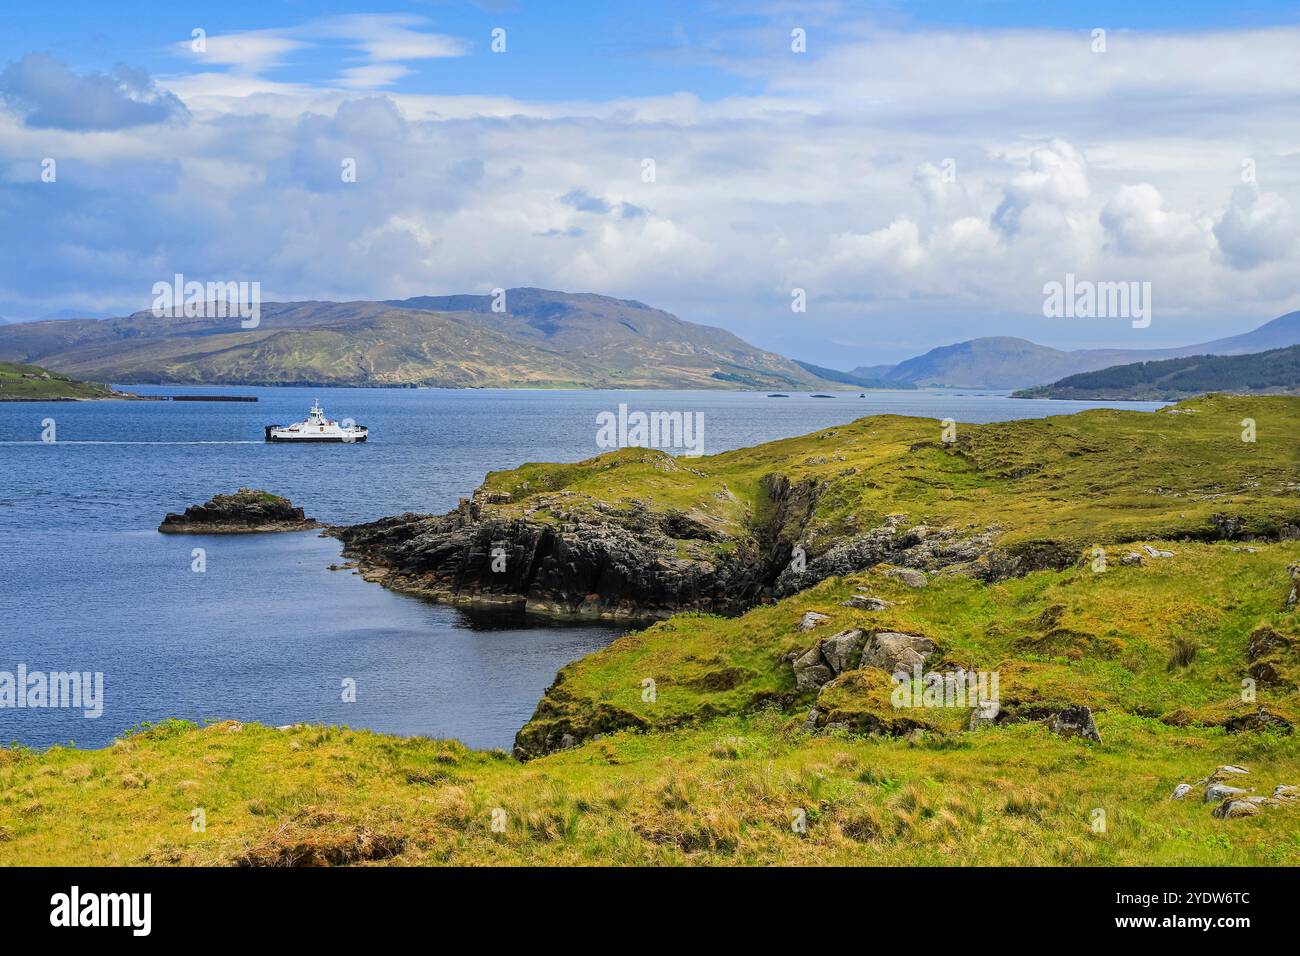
92,442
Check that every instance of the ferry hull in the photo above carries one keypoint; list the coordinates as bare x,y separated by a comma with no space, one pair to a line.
310,439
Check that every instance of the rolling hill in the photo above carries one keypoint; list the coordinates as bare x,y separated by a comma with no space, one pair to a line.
30,383
1276,372
1005,362
545,339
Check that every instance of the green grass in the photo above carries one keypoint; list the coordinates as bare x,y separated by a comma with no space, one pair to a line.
715,764
723,793
35,384
1055,637
1102,476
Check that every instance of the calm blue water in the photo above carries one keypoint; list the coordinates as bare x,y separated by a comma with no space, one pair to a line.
267,633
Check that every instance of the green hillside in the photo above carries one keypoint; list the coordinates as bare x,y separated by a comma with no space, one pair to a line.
1142,565
544,339
30,383
1276,372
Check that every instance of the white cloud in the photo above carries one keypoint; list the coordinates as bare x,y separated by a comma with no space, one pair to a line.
1257,227
1137,221
250,51
831,178
388,37
374,76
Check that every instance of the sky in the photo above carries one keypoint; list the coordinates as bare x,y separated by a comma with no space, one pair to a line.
920,170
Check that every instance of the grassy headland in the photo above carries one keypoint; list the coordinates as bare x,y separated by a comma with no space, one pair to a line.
689,742
31,383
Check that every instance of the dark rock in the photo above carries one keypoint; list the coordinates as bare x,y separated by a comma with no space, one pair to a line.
246,511
591,564
1261,719
1074,721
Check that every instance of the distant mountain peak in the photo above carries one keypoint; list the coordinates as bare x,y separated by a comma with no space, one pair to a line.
1001,361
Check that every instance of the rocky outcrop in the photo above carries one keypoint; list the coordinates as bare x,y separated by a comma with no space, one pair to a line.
892,652
593,561
1274,657
915,549
850,649
247,511
1232,802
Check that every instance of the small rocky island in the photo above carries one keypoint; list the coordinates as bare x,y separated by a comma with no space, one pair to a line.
247,511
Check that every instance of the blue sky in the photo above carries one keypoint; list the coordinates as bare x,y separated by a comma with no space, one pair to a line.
566,49
921,171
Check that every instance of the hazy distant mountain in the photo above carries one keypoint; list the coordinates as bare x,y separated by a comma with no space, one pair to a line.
849,378
1276,372
544,339
1003,362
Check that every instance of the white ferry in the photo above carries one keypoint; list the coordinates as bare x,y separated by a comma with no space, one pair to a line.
317,427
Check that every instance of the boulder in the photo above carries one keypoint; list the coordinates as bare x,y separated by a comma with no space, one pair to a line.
811,619
811,671
1286,793
841,651
1156,552
1218,792
1232,809
1132,557
864,602
1074,721
909,576
893,652
1180,791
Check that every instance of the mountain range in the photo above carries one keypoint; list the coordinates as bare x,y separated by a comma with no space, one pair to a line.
1004,362
542,339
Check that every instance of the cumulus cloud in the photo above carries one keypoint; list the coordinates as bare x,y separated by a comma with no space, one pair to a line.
1055,180
49,95
1257,227
1138,222
818,180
